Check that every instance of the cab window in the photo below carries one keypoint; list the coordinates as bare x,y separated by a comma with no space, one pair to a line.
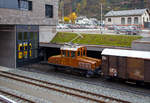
68,54
72,53
78,53
83,51
63,53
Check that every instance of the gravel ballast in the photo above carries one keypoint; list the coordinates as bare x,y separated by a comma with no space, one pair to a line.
20,94
134,98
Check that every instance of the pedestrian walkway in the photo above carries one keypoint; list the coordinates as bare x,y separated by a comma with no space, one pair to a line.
5,68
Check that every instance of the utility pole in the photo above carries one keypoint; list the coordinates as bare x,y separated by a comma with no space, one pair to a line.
62,3
101,18
101,13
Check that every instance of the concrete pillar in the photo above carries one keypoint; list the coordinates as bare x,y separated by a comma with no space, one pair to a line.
8,46
46,33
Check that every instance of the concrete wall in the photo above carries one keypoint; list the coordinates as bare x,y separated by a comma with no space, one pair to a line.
34,17
9,4
46,33
13,16
7,47
141,46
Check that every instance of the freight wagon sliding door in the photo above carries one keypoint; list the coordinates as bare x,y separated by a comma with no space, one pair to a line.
147,71
113,65
122,67
135,69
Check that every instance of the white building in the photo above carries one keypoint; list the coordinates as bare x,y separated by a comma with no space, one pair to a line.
83,20
127,17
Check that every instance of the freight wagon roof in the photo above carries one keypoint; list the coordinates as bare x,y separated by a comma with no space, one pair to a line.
127,53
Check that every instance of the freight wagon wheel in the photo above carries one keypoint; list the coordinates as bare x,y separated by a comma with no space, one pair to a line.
139,83
55,68
109,78
98,72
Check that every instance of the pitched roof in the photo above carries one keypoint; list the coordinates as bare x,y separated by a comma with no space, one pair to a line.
126,12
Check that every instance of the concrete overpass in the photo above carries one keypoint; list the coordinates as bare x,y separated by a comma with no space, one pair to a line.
89,47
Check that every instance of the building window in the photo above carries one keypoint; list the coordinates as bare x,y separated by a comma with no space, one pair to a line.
73,53
122,21
49,11
109,19
143,19
16,4
129,20
30,5
25,5
136,21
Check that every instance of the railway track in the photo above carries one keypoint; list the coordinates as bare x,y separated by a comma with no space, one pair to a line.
98,98
13,97
117,85
135,89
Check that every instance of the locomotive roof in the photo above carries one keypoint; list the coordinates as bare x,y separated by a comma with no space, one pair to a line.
127,53
70,47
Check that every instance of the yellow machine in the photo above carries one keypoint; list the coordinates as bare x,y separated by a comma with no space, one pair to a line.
20,53
30,49
25,44
23,50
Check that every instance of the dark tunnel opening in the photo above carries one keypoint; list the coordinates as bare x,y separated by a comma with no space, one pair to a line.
49,51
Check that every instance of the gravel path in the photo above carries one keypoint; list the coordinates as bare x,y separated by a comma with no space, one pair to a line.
88,87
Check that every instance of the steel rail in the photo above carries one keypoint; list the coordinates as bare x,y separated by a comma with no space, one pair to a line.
13,95
58,85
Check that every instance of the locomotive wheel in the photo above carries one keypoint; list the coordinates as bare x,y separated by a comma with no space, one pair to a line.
55,68
89,74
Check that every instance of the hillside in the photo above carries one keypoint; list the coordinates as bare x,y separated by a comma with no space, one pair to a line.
91,8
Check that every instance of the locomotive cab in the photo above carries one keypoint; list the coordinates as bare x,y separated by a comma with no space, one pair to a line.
73,52
75,56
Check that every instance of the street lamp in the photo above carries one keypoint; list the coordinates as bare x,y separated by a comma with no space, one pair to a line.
101,17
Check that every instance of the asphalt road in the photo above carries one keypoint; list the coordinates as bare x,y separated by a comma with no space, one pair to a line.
144,33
